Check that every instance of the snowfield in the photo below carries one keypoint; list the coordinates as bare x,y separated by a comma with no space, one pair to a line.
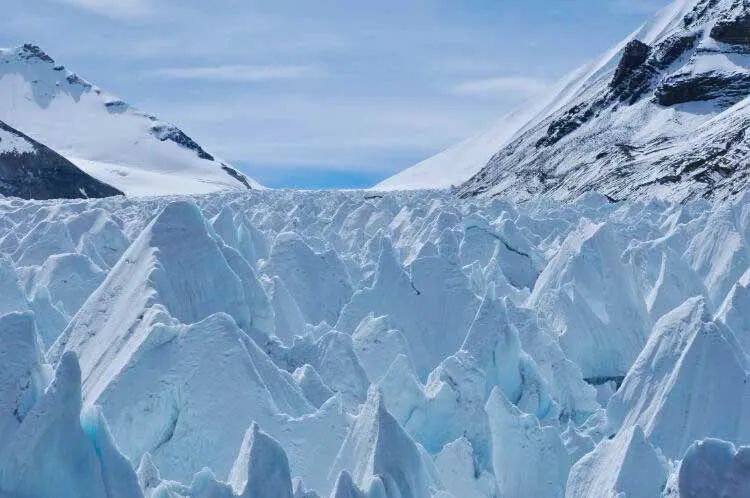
282,344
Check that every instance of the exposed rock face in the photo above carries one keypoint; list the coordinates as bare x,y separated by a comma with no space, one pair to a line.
31,170
566,124
733,29
668,51
724,89
635,54
667,115
30,51
166,132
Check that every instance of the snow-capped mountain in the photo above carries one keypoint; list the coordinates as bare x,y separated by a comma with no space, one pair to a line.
115,143
664,113
31,170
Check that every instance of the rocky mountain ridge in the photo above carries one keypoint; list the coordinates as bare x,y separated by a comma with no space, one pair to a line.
667,116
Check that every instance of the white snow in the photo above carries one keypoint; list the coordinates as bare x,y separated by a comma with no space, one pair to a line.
14,143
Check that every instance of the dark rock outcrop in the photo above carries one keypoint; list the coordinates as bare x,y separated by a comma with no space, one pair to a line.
726,89
635,54
569,122
699,12
734,30
167,132
236,174
31,51
667,52
41,173
634,74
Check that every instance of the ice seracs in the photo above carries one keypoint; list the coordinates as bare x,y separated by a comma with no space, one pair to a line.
427,359
460,473
627,464
378,453
589,297
23,372
184,429
51,442
675,390
162,266
318,282
436,285
527,459
712,467
261,469
288,319
377,345
732,312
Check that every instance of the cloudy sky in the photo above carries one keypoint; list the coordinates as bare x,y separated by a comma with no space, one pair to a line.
323,93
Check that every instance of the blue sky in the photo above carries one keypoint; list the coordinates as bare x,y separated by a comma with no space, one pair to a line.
323,93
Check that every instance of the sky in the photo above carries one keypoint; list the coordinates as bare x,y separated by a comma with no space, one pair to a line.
323,93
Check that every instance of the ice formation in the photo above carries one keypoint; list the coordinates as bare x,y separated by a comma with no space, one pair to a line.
406,345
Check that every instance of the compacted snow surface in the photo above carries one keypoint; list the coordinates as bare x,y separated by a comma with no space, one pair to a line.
349,345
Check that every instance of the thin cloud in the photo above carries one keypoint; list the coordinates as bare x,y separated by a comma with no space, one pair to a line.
113,8
240,73
640,6
503,85
338,133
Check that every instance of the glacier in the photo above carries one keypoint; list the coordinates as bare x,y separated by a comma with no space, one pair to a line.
294,344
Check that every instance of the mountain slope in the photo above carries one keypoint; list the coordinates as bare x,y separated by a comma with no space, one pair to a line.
666,116
460,162
455,165
662,113
31,170
104,136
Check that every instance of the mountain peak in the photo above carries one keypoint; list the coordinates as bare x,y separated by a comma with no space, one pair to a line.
30,51
110,140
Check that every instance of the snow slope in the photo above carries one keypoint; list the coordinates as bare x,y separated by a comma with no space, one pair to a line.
277,344
105,137
455,165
